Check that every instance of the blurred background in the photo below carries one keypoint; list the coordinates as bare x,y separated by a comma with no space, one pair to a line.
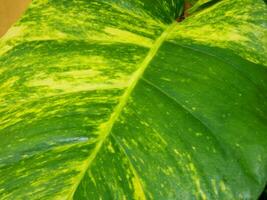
10,12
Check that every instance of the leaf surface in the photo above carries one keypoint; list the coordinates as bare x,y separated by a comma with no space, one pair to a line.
114,100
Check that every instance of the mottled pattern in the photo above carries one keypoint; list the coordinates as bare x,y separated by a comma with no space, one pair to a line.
110,99
237,25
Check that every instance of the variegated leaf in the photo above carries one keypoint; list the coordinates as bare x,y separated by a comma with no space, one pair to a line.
113,99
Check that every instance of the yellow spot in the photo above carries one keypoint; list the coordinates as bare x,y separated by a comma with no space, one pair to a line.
237,145
92,177
110,148
80,73
192,167
2,70
199,190
10,82
138,189
214,186
222,186
198,134
128,37
196,180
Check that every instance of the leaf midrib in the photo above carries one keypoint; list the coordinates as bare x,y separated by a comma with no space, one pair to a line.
105,128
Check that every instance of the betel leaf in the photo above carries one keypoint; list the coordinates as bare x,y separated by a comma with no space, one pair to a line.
113,99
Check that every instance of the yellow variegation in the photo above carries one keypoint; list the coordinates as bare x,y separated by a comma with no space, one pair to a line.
113,99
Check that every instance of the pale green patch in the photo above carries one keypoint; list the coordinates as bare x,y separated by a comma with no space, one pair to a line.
65,86
214,186
128,37
13,33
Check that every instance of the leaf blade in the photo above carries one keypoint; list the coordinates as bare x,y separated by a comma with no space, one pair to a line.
171,140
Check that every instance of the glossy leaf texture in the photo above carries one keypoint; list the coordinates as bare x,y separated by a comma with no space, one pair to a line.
112,99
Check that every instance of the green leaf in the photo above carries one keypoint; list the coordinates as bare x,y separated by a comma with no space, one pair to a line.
114,100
